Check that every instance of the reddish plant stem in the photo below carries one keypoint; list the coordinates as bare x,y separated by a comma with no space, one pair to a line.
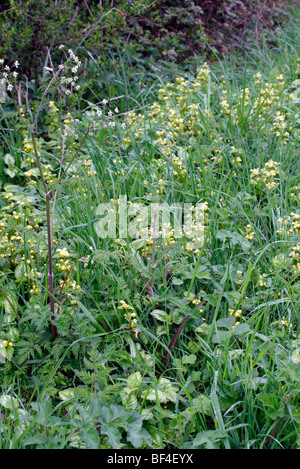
174,340
288,397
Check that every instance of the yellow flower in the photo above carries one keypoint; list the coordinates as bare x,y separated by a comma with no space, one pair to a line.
63,252
124,305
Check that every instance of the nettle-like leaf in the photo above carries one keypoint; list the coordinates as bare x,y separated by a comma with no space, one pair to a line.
164,392
296,356
9,402
235,238
161,315
129,400
209,439
9,159
137,435
67,394
202,404
90,436
20,272
11,171
44,414
6,353
134,380
189,359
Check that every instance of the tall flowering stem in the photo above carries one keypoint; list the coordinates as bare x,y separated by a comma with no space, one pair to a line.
49,239
56,80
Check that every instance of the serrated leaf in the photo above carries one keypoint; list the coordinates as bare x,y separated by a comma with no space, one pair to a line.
137,435
129,400
241,329
209,438
134,380
226,322
202,403
90,436
189,359
164,392
160,315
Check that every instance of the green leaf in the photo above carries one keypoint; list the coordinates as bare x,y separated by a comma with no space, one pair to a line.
177,281
134,380
226,322
9,402
202,403
209,438
129,400
67,394
220,336
20,272
90,436
164,392
296,356
137,435
241,329
189,359
160,315
9,160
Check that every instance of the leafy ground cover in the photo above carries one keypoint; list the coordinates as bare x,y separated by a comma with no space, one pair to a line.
149,339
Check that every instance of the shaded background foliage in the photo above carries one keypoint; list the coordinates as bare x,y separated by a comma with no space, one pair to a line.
149,30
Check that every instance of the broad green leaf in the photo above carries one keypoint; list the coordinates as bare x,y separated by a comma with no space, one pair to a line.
189,359
209,438
67,394
202,403
20,272
9,402
137,435
296,356
160,315
164,392
134,380
129,400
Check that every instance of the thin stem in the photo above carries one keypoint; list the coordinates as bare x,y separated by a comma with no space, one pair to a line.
76,153
50,271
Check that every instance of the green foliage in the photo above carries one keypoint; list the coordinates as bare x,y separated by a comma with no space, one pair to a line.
191,341
148,31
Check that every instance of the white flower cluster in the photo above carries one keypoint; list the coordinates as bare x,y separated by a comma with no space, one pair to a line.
67,69
8,75
109,116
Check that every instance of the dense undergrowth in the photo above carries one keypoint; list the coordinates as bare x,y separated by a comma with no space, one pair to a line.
158,340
